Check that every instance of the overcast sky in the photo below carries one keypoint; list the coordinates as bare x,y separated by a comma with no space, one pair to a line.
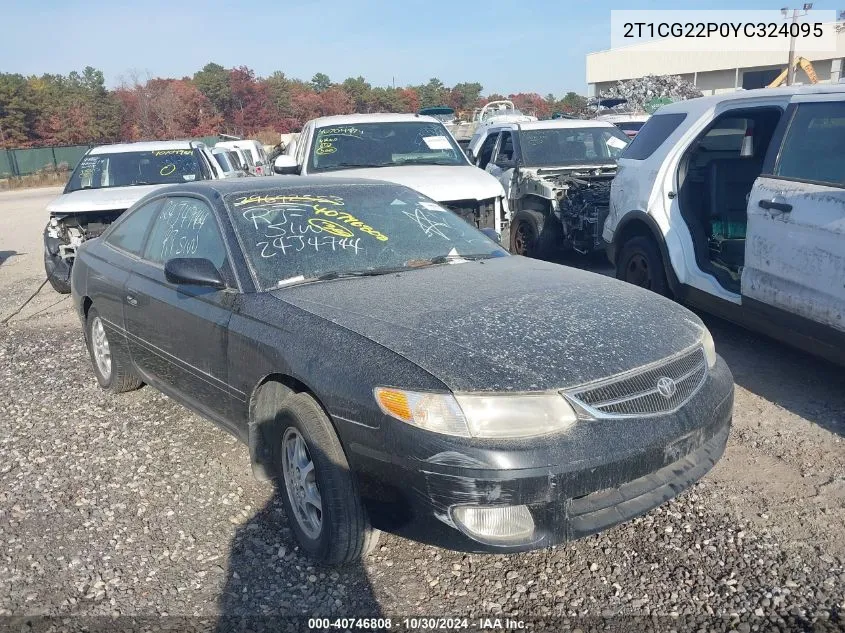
507,46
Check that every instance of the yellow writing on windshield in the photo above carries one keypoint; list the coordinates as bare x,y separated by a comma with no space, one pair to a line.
351,220
330,227
167,169
326,146
340,131
173,152
285,199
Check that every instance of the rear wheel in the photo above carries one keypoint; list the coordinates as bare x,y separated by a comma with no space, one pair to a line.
639,263
533,234
109,359
319,491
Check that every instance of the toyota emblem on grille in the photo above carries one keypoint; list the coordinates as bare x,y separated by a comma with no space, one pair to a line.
666,387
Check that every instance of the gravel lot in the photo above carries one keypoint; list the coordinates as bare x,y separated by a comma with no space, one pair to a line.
133,506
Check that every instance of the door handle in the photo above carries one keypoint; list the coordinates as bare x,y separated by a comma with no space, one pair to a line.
783,207
131,300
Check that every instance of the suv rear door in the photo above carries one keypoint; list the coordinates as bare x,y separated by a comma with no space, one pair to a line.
795,249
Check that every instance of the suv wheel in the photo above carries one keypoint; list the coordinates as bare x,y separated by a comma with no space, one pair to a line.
639,263
534,235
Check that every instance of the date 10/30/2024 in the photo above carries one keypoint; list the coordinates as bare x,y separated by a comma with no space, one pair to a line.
417,624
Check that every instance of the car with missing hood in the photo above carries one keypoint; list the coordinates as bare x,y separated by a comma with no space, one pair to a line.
107,180
556,175
360,339
409,149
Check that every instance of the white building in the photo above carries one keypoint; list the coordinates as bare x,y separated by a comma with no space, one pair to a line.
713,71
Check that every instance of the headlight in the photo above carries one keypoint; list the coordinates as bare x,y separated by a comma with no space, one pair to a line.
478,415
709,348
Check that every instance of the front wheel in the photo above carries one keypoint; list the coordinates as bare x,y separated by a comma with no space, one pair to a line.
319,491
639,263
58,272
534,234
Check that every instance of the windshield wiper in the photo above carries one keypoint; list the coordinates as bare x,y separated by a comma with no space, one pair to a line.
445,259
337,274
359,165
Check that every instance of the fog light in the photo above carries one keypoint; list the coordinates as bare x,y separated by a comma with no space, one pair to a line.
495,524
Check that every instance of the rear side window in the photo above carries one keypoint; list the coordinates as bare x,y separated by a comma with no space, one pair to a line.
651,136
128,235
815,144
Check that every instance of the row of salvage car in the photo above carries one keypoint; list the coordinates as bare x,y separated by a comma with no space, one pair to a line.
367,339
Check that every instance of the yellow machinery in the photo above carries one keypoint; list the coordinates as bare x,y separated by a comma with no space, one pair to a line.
805,65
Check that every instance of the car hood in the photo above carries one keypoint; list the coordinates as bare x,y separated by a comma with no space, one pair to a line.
106,199
506,324
439,182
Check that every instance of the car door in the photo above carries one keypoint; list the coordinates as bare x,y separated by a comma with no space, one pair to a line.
111,261
795,245
501,166
178,333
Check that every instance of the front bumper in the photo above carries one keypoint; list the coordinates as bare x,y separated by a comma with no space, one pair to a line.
608,472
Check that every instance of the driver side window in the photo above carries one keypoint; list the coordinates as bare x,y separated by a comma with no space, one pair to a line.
504,150
485,152
185,227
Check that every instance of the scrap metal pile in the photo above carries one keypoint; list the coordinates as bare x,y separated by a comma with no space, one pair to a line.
646,92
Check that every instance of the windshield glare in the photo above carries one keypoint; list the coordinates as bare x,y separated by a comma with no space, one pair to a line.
295,234
382,145
127,169
571,146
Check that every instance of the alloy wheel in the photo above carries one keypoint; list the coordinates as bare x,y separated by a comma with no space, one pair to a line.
301,483
100,347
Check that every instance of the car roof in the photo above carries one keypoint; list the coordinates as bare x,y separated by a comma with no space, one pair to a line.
376,117
256,185
548,124
144,146
701,104
623,118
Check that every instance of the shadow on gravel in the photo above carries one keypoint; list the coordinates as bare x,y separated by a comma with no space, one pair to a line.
4,255
803,384
266,593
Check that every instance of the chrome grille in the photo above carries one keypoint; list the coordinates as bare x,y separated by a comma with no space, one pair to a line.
639,394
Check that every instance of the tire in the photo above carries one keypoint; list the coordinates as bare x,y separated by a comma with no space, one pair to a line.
640,263
344,533
119,376
532,234
58,272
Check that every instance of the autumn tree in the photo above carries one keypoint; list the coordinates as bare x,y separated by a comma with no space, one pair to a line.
18,111
321,82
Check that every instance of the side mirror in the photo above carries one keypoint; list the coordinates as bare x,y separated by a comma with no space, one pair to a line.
194,271
285,164
491,233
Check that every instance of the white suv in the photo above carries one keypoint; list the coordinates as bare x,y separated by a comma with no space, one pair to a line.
735,204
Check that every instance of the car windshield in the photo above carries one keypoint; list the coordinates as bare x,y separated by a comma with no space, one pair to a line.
318,232
571,146
383,145
127,169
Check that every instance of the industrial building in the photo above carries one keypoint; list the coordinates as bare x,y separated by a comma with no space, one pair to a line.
712,71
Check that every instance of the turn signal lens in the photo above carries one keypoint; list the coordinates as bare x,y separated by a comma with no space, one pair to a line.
495,524
438,412
709,348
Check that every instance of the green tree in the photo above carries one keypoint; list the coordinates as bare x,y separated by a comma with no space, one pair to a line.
434,93
321,82
359,91
18,110
465,95
213,82
279,89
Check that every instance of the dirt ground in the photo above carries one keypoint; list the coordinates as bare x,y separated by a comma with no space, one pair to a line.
779,486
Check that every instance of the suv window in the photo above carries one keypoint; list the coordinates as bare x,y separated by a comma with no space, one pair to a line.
185,227
485,152
815,143
505,151
651,136
128,234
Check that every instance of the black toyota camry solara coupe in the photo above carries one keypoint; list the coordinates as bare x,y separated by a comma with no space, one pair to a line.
391,367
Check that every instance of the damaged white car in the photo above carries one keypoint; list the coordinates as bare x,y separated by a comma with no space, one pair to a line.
108,180
556,175
407,149
735,204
